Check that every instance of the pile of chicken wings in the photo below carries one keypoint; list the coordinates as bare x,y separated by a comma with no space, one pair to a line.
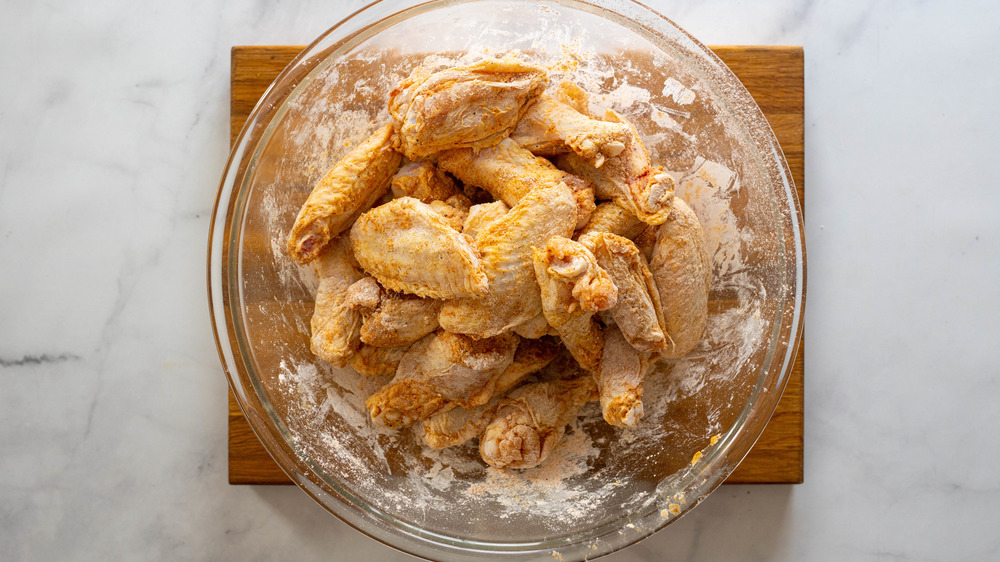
506,256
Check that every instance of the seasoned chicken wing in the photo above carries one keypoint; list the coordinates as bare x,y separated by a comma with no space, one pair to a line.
612,217
469,106
346,191
627,179
551,127
391,319
400,319
619,379
534,328
482,215
335,326
509,172
364,295
637,312
574,96
531,356
410,248
458,425
573,288
682,271
374,361
531,420
442,370
423,181
453,215
506,245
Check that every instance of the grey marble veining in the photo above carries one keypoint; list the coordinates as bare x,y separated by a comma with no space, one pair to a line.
113,135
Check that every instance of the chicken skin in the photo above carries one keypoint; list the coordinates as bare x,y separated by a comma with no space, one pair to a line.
531,420
458,425
408,247
347,190
628,179
372,361
463,107
391,319
423,181
551,127
335,326
619,379
513,296
612,217
442,370
573,288
637,312
682,271
482,215
509,172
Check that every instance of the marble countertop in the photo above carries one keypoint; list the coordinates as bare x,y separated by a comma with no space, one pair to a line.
113,135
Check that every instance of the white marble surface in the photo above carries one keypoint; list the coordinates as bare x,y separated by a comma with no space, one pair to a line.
113,135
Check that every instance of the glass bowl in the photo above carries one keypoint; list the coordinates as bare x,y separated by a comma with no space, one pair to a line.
605,487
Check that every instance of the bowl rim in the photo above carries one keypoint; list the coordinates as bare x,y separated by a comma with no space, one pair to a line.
248,396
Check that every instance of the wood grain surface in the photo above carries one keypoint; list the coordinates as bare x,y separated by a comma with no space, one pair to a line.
772,75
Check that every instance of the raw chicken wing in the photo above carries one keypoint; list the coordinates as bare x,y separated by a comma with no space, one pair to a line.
627,179
335,326
482,215
638,312
531,420
573,95
471,106
458,425
374,361
509,172
400,319
391,319
442,370
410,248
506,245
682,271
619,379
424,181
551,127
346,191
612,217
573,288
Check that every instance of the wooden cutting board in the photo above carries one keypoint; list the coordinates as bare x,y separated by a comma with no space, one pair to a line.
774,77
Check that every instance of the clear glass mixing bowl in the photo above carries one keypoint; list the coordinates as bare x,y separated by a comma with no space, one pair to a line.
605,488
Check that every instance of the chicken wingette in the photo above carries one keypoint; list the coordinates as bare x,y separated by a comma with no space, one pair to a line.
441,370
619,379
638,311
409,247
628,179
350,188
335,326
551,127
506,244
458,425
471,106
682,271
531,420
